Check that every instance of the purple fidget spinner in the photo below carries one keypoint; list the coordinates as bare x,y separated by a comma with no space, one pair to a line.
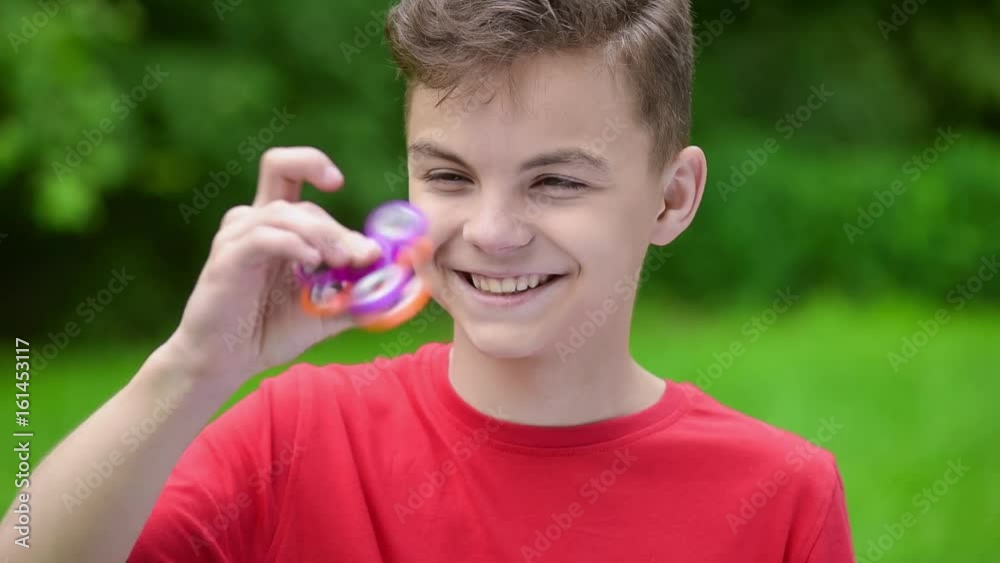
377,287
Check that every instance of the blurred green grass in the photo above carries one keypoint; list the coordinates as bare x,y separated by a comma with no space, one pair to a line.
823,359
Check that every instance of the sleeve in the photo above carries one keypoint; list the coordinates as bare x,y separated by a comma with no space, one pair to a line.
220,502
833,542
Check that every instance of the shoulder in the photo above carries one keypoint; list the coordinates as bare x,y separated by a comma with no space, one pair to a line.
728,434
760,469
294,430
763,468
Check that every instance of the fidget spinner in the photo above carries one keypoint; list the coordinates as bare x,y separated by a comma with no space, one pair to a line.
386,293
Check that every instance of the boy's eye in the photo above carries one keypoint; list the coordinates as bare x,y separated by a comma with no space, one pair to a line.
562,183
452,179
446,177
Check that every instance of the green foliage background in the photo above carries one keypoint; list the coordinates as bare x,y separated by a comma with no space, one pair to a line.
229,67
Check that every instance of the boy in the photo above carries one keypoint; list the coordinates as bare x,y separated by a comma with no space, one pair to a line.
547,145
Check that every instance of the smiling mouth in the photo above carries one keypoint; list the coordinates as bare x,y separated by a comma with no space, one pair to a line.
508,285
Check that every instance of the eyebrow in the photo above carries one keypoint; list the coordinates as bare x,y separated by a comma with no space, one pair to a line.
428,149
568,156
561,156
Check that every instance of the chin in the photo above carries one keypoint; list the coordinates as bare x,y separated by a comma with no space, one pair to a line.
505,341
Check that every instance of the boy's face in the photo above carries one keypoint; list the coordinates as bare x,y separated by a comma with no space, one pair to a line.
551,186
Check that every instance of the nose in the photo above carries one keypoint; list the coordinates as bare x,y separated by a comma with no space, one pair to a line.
496,227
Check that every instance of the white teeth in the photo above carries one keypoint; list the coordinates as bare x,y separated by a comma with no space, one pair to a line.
508,285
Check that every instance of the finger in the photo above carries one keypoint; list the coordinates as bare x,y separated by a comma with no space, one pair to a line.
337,245
240,219
313,209
235,215
283,169
265,243
357,249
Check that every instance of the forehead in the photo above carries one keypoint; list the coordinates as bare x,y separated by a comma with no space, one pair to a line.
555,99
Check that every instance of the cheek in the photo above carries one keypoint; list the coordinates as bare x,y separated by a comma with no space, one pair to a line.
442,217
606,253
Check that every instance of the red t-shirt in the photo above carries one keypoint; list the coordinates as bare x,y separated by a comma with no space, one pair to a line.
385,462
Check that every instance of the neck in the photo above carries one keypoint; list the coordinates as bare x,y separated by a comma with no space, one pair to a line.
596,382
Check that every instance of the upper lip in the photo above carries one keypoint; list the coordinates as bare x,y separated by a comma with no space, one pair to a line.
506,274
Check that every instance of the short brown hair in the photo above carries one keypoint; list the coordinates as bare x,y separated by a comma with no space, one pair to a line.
440,43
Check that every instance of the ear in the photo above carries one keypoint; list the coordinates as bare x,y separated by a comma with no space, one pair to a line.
682,185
